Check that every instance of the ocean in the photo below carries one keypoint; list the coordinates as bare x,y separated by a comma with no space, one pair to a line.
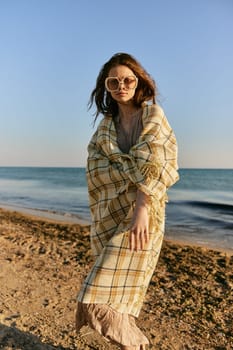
200,208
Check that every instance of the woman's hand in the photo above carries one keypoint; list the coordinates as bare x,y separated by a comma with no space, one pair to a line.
139,232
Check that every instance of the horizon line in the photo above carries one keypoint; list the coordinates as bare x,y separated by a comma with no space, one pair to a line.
83,167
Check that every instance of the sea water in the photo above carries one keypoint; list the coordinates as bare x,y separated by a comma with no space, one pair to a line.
200,208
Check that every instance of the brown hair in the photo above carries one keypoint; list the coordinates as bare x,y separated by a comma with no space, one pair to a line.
145,91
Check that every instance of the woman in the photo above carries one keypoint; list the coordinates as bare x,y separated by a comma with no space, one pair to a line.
132,160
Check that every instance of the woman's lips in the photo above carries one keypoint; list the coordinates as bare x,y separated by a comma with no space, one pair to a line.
121,93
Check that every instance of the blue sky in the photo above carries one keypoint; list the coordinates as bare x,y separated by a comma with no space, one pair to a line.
52,51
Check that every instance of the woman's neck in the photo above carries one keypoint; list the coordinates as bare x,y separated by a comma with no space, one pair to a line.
127,113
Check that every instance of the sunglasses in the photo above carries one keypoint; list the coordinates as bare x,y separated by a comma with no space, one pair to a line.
113,83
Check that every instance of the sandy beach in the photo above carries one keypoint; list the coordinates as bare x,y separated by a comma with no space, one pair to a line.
189,304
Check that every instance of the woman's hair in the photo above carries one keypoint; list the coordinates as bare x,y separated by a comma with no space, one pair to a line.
146,89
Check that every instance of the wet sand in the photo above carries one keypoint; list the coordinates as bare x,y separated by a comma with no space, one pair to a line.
189,304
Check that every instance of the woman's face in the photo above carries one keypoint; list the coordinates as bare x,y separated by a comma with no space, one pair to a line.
123,85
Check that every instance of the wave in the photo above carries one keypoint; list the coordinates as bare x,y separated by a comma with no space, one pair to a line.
220,207
200,215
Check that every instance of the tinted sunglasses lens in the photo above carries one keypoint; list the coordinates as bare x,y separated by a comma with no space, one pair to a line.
130,82
112,84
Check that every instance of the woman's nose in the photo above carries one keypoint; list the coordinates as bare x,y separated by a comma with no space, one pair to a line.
121,85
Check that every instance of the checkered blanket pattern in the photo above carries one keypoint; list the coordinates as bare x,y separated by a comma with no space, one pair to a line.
120,277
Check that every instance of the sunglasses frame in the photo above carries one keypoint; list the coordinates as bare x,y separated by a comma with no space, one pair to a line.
121,82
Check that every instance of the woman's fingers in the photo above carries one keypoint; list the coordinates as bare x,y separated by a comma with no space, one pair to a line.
138,239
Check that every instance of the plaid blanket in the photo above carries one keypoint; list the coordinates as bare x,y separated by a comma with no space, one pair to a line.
120,277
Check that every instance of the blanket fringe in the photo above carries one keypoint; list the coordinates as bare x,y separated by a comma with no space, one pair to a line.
151,171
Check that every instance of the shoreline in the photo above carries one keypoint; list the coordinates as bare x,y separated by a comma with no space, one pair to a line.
43,262
47,215
71,219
